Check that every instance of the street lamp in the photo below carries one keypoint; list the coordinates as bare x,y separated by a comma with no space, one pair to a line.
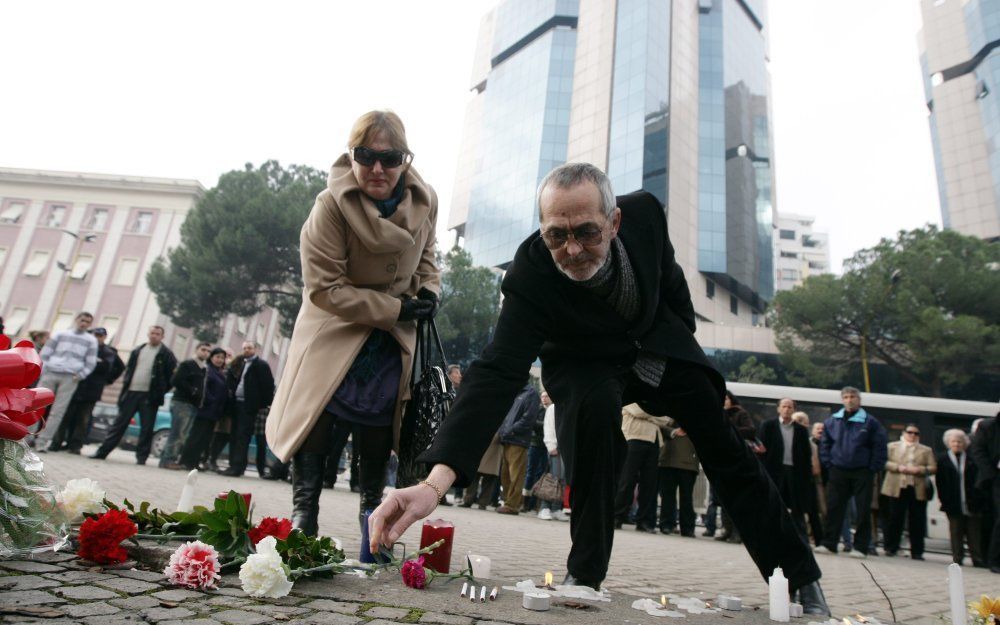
80,239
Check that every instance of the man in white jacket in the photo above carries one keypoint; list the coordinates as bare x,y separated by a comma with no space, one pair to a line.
68,357
551,509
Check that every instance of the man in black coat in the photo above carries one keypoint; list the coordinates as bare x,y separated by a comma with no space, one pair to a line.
189,386
73,429
147,380
597,294
985,451
790,466
251,386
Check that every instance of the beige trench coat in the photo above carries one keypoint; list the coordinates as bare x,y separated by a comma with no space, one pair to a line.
355,267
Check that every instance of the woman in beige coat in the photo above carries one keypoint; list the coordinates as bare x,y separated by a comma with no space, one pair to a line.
369,273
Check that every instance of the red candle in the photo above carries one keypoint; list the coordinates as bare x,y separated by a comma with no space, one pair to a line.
433,531
225,495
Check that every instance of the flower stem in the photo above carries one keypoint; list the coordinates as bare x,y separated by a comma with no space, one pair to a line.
162,538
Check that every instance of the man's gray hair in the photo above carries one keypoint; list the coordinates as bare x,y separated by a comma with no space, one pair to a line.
956,432
849,390
569,175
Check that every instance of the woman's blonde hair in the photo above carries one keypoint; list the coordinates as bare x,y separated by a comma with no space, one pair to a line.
369,125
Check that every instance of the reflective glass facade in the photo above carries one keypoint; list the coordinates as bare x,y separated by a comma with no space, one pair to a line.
525,123
982,19
735,173
640,103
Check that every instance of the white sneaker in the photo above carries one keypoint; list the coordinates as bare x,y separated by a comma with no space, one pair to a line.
823,549
559,515
545,514
854,553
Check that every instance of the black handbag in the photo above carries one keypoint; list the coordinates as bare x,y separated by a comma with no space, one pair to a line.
431,394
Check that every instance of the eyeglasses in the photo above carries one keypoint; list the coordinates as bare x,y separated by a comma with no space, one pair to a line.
587,236
914,432
388,158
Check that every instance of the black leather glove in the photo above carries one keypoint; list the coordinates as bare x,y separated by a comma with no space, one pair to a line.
428,295
414,309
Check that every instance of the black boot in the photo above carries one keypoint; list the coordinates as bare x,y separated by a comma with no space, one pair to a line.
307,484
812,600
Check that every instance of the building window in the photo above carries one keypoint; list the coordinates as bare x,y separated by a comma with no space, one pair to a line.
98,220
37,263
128,268
807,242
64,320
143,222
241,325
84,263
56,215
14,322
734,305
789,255
787,234
12,214
111,323
709,289
789,274
815,265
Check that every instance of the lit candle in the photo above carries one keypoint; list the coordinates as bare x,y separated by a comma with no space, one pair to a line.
538,601
778,591
956,591
433,531
185,504
548,579
663,600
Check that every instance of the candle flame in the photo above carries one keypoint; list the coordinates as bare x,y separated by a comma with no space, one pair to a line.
860,618
548,578
847,621
663,600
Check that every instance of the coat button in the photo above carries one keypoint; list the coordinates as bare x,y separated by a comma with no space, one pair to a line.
391,268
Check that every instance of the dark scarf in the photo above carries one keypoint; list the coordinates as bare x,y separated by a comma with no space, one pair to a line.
388,206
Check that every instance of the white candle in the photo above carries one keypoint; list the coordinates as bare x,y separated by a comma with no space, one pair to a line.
481,566
538,601
465,588
482,595
795,610
778,590
956,590
185,504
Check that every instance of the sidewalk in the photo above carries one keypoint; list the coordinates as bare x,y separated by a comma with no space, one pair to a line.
643,565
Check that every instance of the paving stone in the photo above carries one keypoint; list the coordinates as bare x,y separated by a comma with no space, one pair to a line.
119,618
165,614
146,576
329,618
98,608
25,582
381,621
27,566
136,603
229,602
28,597
85,592
78,577
126,585
240,617
387,613
177,594
231,591
270,609
447,619
195,621
327,605
54,557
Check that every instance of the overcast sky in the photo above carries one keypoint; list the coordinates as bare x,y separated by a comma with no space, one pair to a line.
194,89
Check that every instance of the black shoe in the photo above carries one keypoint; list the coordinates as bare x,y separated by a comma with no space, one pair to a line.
890,554
307,482
97,456
812,600
995,569
267,475
141,463
482,507
329,483
231,472
916,557
444,502
355,489
665,530
465,504
569,580
724,537
75,452
643,528
688,534
708,533
618,525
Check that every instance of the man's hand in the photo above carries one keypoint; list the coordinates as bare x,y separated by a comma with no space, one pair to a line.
680,432
402,508
554,452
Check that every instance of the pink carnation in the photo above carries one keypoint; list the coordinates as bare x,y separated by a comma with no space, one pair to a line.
414,574
193,565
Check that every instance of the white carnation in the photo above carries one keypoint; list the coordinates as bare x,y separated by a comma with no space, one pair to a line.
82,495
264,574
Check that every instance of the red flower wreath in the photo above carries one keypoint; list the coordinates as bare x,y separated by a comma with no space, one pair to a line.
270,526
101,537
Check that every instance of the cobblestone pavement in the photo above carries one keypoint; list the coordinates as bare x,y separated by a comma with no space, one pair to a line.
643,565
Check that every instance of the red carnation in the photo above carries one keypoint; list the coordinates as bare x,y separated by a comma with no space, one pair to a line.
413,573
270,526
101,537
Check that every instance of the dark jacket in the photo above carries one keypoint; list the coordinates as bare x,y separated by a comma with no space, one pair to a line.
520,420
848,444
985,451
258,387
803,488
213,401
189,382
163,370
742,421
949,488
582,341
109,367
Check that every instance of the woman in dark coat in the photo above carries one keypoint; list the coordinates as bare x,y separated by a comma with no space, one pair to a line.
213,404
960,499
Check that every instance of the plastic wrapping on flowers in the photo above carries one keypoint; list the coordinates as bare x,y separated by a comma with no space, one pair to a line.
30,519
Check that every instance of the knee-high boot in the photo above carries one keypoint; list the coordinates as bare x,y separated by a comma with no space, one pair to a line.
307,485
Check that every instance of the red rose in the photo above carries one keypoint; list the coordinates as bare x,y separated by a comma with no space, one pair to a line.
101,537
413,573
270,526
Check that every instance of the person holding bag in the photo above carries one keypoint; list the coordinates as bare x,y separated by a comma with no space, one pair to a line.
369,275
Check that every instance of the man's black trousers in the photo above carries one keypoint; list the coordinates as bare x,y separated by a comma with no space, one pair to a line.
842,486
640,468
673,480
689,395
131,403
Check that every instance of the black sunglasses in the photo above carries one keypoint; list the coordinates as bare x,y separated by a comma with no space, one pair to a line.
388,158
913,432
587,236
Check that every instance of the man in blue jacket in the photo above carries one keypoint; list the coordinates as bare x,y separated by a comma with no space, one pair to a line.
515,436
854,450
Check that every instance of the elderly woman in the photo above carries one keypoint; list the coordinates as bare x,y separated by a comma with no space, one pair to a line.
369,273
960,500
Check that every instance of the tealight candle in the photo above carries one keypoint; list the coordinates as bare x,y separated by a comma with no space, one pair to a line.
795,610
729,603
481,566
538,601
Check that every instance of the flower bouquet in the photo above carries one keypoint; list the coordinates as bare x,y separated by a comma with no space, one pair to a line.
986,611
